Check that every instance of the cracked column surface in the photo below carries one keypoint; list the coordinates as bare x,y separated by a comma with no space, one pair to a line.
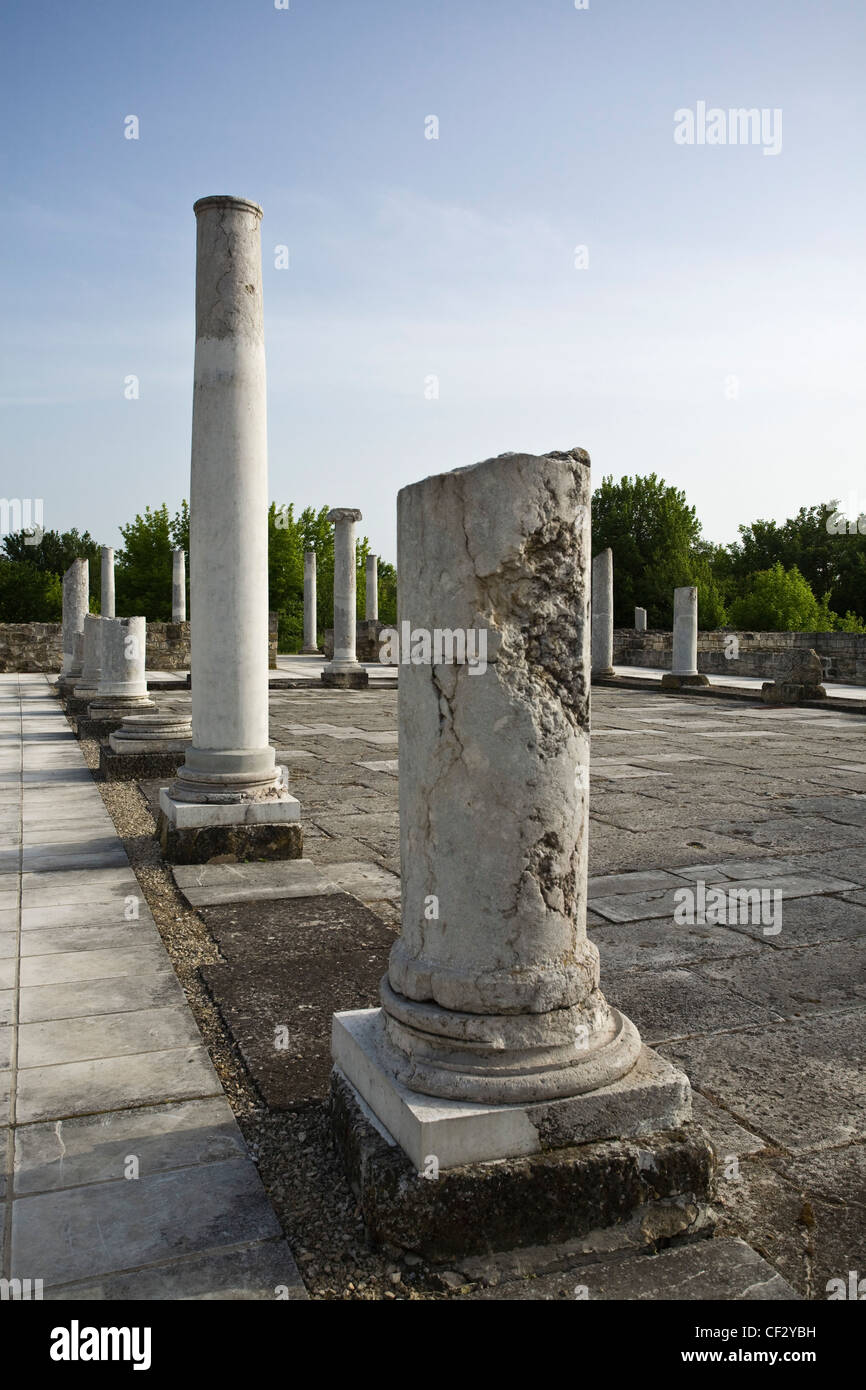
371,589
230,756
310,647
76,584
602,614
178,586
106,606
496,998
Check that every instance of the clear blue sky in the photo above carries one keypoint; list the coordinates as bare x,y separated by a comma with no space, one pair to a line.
455,257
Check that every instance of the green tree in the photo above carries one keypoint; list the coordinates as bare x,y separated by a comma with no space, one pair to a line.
656,541
778,600
54,554
143,566
29,594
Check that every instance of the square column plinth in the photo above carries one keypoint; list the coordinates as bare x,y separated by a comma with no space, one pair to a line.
624,1164
194,832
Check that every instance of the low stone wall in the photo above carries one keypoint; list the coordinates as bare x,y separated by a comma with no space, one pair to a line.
30,647
37,646
367,640
760,654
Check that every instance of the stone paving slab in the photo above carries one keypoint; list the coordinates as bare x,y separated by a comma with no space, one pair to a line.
105,1065
705,1270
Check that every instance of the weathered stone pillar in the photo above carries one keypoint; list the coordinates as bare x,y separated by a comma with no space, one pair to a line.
344,670
76,601
229,797
640,620
106,606
684,665
602,614
310,647
492,1001
371,589
178,586
122,687
87,686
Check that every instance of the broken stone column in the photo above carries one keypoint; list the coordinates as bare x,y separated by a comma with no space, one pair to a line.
146,745
122,687
76,602
494,1040
86,687
371,589
229,797
178,586
640,620
344,670
106,606
310,647
684,665
602,614
801,678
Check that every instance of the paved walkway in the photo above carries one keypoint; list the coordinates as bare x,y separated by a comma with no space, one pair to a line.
122,1171
655,673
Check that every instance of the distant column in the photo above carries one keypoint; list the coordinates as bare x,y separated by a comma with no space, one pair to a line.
684,665
178,586
310,647
602,614
106,606
87,685
76,588
640,620
344,670
371,592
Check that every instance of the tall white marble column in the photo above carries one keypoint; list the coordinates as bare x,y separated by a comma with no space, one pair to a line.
602,614
684,664
230,779
178,586
76,602
106,606
371,589
344,669
492,994
310,647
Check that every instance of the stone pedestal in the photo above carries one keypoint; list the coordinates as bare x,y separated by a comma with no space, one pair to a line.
684,665
146,746
799,680
178,586
76,602
310,647
106,606
371,589
344,671
602,614
494,1041
640,620
229,797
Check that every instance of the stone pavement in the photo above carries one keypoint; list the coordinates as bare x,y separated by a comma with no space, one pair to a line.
771,1026
124,1174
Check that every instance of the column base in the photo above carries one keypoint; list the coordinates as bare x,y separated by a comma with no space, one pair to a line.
195,832
604,673
311,651
106,714
349,678
653,1096
790,692
627,1192
670,681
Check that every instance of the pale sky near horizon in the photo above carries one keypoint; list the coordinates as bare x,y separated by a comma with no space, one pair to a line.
453,258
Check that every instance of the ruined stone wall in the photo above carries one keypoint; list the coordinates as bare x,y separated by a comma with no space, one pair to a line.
366,638
37,646
761,654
